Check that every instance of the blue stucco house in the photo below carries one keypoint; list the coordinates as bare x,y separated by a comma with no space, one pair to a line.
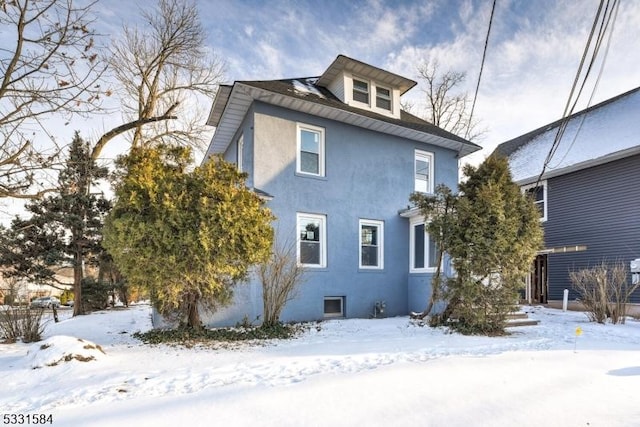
588,193
337,158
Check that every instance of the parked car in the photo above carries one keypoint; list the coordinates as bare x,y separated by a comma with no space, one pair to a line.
69,303
45,302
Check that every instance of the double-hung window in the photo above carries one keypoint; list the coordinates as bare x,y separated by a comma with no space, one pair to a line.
361,91
312,240
383,98
423,171
424,255
539,195
371,244
310,158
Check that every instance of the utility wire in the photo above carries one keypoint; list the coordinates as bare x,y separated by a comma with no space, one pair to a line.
484,54
569,107
611,20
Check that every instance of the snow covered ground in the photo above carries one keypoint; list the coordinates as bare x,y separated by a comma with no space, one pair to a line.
344,372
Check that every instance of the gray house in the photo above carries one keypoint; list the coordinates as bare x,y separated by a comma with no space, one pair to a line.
588,195
337,158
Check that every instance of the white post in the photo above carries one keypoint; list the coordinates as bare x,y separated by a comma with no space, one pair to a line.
565,300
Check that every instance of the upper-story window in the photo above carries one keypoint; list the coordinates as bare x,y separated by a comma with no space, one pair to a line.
539,195
383,98
360,91
423,171
310,158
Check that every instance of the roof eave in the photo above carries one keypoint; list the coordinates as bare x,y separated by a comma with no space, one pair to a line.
344,63
582,165
241,96
219,104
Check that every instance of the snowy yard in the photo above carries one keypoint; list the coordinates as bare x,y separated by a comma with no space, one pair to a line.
345,372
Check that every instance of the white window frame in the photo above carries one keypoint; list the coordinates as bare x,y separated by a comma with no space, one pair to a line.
380,246
427,239
384,97
240,153
353,89
545,201
300,216
321,155
429,157
338,298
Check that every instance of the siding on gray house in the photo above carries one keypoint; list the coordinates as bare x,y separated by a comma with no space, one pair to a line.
592,187
598,207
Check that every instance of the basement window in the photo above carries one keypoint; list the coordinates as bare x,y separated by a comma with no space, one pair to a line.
333,306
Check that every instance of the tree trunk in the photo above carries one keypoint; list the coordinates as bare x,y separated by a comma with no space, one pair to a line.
78,307
435,287
193,315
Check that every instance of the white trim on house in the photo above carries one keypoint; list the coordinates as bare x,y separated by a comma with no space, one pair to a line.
426,268
377,243
388,97
241,96
311,239
423,185
240,152
357,90
319,139
545,200
372,96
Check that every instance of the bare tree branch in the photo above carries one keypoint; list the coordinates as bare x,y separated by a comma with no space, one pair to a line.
445,108
162,69
50,66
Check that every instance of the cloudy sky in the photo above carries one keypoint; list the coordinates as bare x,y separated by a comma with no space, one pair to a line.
533,53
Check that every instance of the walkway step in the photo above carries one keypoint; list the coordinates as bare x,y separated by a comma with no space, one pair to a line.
521,322
518,315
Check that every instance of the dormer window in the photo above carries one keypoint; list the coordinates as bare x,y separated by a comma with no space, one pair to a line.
383,98
360,91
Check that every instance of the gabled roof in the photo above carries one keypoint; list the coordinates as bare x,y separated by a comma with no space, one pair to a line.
304,94
602,133
344,63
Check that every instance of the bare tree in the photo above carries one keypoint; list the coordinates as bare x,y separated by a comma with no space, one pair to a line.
445,108
604,291
281,275
162,69
49,65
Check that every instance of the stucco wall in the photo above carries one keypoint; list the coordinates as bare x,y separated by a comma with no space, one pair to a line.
368,176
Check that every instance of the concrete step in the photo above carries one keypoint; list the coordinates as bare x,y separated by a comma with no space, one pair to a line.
521,322
518,315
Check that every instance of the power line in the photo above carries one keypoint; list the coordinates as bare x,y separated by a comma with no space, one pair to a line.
615,8
484,54
603,18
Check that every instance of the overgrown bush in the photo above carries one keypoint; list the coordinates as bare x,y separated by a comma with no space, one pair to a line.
604,291
21,323
491,232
